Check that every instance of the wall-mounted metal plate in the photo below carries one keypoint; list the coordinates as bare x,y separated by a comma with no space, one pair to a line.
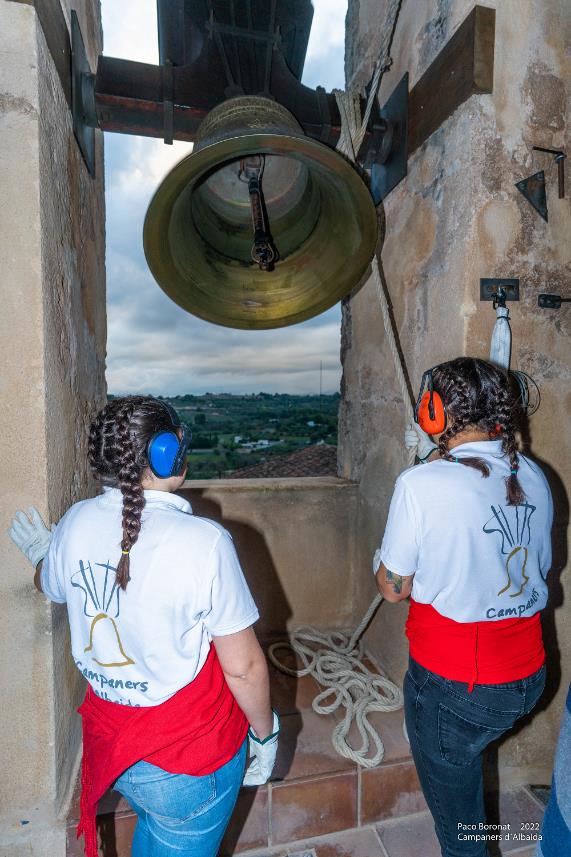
551,301
489,289
390,168
533,188
84,134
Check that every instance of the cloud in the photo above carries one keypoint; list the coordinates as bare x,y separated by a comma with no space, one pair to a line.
324,62
160,349
153,345
130,29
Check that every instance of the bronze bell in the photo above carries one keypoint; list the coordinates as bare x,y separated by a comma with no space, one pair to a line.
260,226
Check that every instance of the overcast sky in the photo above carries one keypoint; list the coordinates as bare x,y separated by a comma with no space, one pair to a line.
153,345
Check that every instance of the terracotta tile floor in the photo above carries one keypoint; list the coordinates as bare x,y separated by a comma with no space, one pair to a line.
320,804
364,842
400,837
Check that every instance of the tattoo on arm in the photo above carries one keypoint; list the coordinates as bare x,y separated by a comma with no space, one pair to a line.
38,577
396,581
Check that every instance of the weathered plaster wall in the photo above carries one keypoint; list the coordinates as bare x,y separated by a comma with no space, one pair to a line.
52,339
295,539
455,218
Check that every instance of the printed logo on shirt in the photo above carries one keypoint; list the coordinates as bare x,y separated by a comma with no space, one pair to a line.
99,682
101,604
513,524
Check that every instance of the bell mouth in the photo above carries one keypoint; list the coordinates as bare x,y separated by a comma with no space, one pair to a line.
198,232
221,213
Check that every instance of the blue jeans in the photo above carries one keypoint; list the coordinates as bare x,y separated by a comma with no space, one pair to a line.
449,729
179,814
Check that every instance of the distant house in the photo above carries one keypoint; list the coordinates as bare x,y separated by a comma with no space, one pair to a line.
311,424
315,460
259,444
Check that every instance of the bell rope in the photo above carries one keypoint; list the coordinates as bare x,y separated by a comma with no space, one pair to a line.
337,665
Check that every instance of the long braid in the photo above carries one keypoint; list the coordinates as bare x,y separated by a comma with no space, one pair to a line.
118,441
458,389
515,494
504,407
94,445
477,394
129,479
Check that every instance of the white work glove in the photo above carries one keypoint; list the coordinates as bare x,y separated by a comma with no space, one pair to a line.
264,755
414,436
31,536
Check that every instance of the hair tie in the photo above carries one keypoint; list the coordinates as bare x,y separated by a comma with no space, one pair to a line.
126,552
456,460
513,472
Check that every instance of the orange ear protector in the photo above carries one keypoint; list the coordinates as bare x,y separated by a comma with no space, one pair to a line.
429,411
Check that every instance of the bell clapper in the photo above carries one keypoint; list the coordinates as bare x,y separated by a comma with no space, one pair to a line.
251,170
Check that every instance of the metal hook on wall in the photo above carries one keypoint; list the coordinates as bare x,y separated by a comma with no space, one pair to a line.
533,187
559,159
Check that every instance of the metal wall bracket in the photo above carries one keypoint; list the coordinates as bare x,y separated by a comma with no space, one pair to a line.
533,189
498,290
551,301
82,96
387,155
168,102
559,158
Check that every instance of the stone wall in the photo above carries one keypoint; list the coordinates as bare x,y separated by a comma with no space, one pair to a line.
295,539
455,218
53,333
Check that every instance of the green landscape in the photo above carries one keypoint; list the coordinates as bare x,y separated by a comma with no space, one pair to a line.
230,432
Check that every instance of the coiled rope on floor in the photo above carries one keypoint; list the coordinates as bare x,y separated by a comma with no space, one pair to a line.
337,663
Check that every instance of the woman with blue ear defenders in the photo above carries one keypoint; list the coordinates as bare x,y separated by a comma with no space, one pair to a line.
468,539
167,449
161,627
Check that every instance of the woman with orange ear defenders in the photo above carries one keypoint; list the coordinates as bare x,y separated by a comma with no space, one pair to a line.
430,418
468,538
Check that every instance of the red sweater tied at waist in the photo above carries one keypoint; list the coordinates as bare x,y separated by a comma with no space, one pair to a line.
492,652
196,731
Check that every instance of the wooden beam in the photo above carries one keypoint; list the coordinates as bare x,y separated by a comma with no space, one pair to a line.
464,67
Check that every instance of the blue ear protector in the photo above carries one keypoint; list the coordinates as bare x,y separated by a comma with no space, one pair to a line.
166,452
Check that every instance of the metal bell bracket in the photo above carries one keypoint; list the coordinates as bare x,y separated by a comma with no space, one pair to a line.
170,100
82,95
499,290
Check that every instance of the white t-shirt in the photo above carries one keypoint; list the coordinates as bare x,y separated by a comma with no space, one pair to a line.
474,557
139,646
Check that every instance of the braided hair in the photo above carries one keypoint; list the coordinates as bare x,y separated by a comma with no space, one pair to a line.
477,395
118,440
